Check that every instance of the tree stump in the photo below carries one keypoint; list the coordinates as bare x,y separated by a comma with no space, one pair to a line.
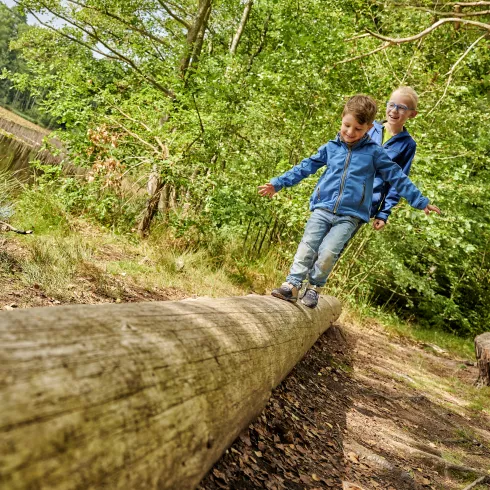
140,395
482,350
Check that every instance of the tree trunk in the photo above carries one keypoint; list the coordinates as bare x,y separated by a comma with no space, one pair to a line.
241,26
482,350
154,188
140,396
200,22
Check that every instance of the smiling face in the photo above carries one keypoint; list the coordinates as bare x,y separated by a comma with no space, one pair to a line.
351,130
395,117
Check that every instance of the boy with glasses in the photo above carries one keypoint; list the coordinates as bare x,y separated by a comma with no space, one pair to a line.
392,135
342,197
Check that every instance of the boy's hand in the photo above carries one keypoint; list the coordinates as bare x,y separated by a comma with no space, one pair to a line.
267,190
431,207
378,224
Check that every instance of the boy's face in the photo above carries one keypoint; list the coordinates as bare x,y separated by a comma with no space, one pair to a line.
351,130
398,116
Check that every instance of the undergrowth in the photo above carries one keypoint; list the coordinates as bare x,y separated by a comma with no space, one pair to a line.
74,242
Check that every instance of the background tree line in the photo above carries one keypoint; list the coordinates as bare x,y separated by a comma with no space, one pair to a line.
202,101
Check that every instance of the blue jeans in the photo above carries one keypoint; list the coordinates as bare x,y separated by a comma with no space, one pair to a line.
325,236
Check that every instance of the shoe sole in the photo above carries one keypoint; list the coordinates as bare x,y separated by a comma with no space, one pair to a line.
309,306
280,296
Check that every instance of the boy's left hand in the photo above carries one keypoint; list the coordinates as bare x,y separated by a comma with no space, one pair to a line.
378,224
431,207
267,190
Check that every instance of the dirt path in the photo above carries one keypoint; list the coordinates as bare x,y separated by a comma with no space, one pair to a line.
364,411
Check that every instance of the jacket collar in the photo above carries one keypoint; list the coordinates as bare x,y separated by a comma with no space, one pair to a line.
363,141
378,128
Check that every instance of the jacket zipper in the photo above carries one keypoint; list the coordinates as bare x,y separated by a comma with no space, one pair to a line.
342,182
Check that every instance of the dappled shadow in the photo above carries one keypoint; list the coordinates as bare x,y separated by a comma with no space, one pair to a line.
406,429
297,441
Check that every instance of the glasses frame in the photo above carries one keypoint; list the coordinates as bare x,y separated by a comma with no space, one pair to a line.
399,107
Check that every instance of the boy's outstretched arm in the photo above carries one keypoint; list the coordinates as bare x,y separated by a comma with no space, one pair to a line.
393,174
431,207
267,190
306,167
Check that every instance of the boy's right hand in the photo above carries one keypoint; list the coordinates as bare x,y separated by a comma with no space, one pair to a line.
431,207
267,190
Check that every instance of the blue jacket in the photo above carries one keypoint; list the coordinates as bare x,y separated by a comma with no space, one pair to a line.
401,149
346,185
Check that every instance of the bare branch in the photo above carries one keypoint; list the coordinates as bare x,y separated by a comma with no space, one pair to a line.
434,26
357,37
364,55
173,15
453,68
441,14
263,37
469,4
134,135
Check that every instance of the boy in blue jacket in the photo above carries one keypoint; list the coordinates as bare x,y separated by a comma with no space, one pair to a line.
392,135
342,197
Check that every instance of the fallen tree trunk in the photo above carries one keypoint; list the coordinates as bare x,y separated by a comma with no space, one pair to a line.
142,395
482,350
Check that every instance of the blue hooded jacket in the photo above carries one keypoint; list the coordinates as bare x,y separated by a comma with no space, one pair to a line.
346,185
401,149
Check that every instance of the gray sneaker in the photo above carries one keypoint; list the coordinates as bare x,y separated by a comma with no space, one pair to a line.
287,292
310,298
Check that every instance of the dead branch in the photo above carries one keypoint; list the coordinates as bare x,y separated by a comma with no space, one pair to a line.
394,40
469,4
482,479
380,48
15,230
453,68
357,37
441,13
134,135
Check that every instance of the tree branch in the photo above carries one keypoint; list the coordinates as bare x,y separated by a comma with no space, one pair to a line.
453,68
440,13
11,228
128,25
434,26
134,135
380,48
116,55
173,15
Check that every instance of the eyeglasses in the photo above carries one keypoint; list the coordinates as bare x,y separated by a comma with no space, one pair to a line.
401,108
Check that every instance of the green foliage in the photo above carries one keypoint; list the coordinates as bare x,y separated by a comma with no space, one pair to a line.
115,77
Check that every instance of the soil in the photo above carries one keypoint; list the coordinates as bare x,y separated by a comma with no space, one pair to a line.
352,416
362,411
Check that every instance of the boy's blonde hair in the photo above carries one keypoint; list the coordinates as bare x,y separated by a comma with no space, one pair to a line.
362,107
410,93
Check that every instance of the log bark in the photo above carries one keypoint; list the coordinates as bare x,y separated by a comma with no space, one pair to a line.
144,395
482,350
